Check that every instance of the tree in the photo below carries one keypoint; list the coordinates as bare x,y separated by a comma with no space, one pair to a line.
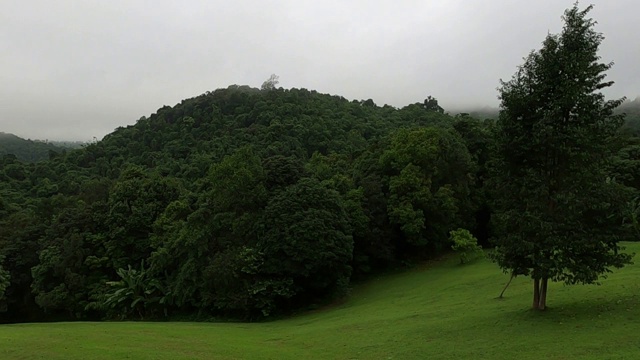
431,104
307,244
270,83
136,200
553,133
429,172
465,244
136,293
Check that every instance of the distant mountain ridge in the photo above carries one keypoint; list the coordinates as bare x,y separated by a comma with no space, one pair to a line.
31,150
630,107
632,110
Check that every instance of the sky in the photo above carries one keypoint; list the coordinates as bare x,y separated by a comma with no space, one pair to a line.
78,69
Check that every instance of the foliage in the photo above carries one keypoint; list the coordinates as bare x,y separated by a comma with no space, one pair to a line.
135,294
4,284
556,214
465,244
31,150
631,111
633,217
387,317
270,83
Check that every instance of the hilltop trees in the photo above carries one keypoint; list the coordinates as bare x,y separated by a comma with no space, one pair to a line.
270,83
465,244
555,202
306,245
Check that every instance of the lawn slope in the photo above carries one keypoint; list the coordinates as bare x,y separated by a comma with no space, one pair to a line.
440,311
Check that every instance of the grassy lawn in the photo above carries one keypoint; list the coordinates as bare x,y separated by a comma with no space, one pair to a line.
445,311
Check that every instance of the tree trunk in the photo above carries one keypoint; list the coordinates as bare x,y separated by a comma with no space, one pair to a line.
506,286
542,304
536,293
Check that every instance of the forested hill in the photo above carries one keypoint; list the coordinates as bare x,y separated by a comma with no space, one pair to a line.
237,202
632,111
28,150
240,203
631,108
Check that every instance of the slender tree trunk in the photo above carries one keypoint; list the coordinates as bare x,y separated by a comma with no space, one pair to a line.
506,286
536,293
543,294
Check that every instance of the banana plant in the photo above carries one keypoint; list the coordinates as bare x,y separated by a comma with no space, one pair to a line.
135,293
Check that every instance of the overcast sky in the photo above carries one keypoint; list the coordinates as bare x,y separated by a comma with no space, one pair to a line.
77,69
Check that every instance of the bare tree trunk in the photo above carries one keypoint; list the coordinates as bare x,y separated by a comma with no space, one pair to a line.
543,294
536,293
506,286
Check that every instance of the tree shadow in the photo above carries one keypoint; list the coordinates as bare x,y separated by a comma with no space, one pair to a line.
581,310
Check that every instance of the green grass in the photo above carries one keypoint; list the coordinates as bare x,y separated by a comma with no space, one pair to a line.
444,311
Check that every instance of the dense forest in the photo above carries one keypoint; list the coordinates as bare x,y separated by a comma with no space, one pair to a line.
246,203
240,202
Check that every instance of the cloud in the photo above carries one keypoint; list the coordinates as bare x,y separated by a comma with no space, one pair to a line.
79,69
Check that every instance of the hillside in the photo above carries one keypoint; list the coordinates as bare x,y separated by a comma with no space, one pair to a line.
234,183
30,150
632,110
250,204
437,311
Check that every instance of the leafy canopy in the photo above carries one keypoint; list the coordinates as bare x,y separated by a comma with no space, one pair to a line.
553,197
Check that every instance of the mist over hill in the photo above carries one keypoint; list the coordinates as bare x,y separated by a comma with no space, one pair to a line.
32,150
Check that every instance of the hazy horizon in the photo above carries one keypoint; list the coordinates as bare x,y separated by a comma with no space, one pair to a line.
78,70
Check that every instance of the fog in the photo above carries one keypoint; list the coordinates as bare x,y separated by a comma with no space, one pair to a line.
75,70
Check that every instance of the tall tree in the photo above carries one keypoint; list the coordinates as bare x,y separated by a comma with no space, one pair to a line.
554,131
270,83
431,104
429,171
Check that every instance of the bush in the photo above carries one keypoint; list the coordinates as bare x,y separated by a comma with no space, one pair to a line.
465,244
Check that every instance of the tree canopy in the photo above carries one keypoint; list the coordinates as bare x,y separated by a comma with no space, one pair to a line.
556,201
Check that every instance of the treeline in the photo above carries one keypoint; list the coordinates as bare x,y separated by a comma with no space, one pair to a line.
631,109
32,150
244,203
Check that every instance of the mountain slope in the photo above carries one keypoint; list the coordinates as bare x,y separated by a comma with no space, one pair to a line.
238,203
26,150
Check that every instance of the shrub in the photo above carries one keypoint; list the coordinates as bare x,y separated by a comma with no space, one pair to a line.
465,244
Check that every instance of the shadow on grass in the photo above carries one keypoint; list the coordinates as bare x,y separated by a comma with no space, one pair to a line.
616,307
